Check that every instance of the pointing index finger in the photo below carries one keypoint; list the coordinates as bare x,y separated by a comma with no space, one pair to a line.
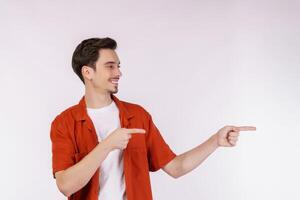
246,128
136,130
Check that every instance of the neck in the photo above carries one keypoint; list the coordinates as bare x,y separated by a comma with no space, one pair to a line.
97,100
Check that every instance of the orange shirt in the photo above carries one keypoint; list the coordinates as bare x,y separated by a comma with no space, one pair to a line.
73,136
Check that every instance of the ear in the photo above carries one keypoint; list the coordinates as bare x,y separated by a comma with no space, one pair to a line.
86,72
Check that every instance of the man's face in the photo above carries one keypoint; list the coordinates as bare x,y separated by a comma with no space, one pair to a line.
107,74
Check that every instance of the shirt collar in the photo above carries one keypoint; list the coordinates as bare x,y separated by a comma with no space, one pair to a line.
80,112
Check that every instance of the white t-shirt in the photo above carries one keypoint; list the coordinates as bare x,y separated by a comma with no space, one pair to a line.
112,184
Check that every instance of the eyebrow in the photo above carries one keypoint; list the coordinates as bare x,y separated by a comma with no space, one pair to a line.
111,62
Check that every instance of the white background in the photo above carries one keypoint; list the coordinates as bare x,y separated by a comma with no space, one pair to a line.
196,66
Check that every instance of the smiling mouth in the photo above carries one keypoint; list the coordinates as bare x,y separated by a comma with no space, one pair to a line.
114,81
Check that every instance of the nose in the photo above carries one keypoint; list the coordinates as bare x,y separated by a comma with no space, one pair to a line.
119,73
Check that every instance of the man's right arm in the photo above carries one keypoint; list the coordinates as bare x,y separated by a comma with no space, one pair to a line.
77,176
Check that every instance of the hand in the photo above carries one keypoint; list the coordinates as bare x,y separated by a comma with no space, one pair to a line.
119,138
228,135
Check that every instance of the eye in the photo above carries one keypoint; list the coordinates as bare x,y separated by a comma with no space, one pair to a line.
112,66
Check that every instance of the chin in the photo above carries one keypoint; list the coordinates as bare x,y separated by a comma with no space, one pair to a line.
114,91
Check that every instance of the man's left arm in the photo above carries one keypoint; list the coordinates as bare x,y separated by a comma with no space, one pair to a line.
186,162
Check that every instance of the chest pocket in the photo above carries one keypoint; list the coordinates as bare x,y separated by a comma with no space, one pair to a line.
137,141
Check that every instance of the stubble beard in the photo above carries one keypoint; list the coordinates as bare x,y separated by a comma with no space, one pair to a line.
115,90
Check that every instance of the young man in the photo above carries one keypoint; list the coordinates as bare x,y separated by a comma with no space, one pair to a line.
103,148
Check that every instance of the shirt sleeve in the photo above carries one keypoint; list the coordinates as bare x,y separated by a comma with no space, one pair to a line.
62,147
159,152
